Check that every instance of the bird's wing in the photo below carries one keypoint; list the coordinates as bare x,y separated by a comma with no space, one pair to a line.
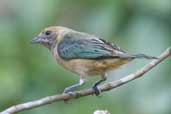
80,47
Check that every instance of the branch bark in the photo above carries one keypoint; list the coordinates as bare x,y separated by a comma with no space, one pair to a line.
90,91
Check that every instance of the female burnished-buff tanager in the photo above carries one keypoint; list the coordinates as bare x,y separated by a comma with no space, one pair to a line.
84,54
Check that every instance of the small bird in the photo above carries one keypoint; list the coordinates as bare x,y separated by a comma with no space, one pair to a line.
84,54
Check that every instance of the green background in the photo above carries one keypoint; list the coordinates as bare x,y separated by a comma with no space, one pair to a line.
29,72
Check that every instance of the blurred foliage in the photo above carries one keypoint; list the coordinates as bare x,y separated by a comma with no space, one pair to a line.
29,72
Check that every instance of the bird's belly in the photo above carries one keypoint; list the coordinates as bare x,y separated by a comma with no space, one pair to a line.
86,67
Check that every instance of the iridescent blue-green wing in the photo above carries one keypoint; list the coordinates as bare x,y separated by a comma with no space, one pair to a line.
78,47
84,46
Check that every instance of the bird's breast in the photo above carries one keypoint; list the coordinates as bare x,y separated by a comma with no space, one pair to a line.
77,66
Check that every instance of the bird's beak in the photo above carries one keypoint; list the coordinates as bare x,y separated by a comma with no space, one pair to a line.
36,40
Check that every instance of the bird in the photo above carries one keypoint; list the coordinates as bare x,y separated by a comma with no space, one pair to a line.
84,54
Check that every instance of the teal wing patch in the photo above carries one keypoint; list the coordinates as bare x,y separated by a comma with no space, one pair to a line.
85,48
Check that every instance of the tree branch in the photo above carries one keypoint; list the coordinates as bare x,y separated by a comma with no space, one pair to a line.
86,92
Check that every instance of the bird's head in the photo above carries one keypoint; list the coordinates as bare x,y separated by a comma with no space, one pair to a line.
50,36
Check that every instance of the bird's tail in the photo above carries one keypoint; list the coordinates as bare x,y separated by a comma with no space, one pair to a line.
128,55
145,56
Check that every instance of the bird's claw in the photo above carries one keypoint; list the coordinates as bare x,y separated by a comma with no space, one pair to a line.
68,90
71,92
97,91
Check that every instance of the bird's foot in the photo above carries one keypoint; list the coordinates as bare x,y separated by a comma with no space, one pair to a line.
97,91
70,91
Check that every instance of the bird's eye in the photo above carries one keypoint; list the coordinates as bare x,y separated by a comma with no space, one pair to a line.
47,33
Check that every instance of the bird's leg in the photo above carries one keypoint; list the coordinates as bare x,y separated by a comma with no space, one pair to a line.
73,87
103,78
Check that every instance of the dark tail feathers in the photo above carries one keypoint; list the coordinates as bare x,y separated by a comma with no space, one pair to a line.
127,55
144,56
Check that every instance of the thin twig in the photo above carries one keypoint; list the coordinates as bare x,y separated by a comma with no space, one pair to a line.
86,92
